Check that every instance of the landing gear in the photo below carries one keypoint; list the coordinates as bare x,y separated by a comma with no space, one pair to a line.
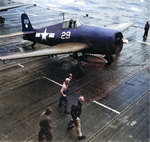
112,57
118,49
79,71
109,58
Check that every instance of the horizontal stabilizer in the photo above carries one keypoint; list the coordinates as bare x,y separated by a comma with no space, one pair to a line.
58,49
16,34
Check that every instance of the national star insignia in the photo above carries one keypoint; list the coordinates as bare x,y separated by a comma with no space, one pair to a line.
44,35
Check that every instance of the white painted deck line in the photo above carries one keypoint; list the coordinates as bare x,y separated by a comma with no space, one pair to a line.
52,81
106,107
20,65
143,42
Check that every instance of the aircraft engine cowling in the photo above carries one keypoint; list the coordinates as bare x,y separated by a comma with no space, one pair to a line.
106,41
117,47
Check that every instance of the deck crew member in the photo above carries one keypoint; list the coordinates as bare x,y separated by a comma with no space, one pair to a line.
75,113
2,21
45,126
146,28
63,101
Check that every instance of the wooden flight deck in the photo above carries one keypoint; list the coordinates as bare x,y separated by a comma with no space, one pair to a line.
117,96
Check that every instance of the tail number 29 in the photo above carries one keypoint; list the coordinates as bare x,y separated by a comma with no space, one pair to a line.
65,35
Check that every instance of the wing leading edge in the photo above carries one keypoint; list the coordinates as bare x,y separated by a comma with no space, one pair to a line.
58,49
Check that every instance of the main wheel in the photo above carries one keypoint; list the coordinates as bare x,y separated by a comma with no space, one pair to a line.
118,50
110,59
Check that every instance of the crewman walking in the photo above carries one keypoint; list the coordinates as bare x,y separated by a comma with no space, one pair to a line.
45,126
75,113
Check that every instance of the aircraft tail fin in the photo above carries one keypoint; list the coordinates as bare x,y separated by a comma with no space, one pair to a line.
26,25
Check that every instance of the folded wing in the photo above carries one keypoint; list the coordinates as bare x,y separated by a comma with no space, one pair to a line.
120,27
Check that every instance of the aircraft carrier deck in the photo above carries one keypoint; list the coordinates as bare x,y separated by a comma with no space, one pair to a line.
116,104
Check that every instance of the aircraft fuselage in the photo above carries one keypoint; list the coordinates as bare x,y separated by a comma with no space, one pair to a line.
101,40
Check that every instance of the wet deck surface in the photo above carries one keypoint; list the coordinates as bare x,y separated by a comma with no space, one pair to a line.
117,96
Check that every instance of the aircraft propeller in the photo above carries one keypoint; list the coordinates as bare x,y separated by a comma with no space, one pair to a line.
119,44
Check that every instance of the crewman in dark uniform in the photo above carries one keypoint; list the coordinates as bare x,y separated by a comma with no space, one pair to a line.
63,101
46,126
2,21
146,28
75,113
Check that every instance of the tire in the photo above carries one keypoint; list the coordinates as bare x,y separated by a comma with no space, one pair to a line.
110,59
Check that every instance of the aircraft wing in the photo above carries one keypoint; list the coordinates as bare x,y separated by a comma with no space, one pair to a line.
58,49
16,34
121,27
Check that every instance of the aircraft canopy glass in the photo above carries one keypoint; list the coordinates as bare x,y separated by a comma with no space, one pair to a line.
71,24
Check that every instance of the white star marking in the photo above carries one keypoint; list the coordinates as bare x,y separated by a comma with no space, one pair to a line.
44,34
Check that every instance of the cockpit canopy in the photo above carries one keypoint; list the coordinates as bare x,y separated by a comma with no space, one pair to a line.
69,23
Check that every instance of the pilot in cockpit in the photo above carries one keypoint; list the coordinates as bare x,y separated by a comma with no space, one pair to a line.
71,24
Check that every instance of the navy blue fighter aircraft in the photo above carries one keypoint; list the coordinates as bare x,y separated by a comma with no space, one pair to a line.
95,44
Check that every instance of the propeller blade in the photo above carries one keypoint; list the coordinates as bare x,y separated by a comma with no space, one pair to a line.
125,41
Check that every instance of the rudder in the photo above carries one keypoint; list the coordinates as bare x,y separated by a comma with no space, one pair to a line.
26,25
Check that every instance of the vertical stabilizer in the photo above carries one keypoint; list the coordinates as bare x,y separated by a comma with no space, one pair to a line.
26,25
